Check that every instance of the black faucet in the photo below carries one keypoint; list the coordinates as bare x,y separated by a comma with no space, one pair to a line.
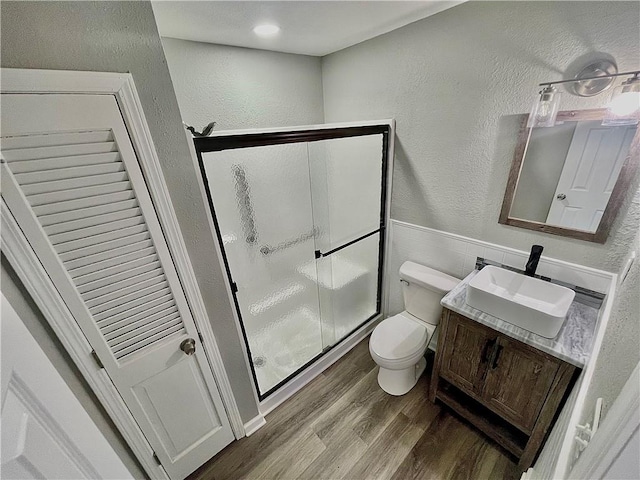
534,258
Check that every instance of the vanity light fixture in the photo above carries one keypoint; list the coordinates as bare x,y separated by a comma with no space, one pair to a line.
545,109
266,30
623,107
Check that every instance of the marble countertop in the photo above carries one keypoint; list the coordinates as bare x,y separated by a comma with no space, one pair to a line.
573,343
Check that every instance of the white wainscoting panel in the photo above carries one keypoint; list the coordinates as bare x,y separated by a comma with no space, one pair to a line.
456,255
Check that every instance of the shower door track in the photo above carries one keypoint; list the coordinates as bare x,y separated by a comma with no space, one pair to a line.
235,140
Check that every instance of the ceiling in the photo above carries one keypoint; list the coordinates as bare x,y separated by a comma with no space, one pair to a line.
316,27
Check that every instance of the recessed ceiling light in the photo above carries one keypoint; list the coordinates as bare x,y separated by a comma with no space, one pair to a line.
266,30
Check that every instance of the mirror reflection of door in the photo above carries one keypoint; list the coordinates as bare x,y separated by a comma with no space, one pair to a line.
593,163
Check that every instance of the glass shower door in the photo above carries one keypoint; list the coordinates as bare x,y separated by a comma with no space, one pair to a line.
262,203
347,191
300,218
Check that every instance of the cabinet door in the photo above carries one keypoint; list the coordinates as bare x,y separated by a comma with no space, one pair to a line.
517,382
467,345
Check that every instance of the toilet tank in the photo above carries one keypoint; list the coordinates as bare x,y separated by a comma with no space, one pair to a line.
422,289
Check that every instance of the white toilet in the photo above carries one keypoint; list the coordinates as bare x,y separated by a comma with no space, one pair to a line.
398,343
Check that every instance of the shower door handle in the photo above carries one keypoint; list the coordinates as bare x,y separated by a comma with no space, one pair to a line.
348,244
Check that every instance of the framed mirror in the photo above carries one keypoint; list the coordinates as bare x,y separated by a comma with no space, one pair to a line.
570,179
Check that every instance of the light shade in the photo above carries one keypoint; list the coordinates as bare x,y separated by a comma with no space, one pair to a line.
266,30
624,106
545,109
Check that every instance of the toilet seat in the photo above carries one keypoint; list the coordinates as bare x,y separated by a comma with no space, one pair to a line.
400,339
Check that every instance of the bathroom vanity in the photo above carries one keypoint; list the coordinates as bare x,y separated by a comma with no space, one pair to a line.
508,382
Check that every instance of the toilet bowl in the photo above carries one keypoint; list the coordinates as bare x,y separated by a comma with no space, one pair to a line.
398,343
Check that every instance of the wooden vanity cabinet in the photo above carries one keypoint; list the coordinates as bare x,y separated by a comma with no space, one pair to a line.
509,390
465,353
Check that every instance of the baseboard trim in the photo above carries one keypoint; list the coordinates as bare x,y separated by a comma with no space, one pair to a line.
304,377
254,425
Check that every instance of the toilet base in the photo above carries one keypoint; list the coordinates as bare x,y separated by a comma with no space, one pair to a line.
399,382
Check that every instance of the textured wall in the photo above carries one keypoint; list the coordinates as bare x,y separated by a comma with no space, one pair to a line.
455,82
620,352
242,87
122,37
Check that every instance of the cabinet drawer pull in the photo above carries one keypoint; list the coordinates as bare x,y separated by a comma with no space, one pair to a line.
496,357
488,347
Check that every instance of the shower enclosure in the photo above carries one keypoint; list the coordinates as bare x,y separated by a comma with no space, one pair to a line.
300,216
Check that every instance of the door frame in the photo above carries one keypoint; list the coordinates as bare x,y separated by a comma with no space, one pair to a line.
31,272
617,427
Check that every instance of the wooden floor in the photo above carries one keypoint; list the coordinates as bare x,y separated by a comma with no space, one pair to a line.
343,426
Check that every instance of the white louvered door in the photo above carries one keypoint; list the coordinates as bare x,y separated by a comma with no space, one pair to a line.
71,179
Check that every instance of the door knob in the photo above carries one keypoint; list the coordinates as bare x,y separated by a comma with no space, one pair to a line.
561,196
188,346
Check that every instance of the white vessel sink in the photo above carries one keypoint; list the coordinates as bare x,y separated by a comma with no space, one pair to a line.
535,305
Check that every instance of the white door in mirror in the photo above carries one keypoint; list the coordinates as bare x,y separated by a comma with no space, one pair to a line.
590,172
535,305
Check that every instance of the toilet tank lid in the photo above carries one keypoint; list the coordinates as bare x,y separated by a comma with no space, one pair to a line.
428,277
